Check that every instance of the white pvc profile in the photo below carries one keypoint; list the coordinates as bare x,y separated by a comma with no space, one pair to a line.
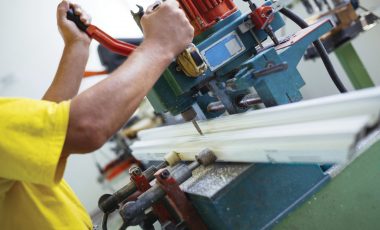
316,131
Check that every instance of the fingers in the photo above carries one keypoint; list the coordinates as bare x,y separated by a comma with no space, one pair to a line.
65,5
85,18
83,15
155,6
62,9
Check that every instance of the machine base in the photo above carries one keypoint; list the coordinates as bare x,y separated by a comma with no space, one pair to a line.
256,196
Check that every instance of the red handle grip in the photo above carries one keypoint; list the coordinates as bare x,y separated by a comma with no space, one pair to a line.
109,42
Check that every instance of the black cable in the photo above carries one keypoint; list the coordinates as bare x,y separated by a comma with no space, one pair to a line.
319,47
104,221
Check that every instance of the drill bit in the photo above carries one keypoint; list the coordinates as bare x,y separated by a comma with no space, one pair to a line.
190,115
197,127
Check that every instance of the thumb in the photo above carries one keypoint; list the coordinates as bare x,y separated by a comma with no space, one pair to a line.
62,9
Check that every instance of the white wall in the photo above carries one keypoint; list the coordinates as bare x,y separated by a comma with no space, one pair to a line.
31,47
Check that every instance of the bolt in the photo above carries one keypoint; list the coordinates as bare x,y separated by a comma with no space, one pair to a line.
135,171
165,174
206,157
270,65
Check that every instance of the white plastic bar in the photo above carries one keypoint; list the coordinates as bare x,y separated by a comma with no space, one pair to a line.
322,130
337,106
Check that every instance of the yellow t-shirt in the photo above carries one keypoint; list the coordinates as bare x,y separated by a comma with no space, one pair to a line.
32,192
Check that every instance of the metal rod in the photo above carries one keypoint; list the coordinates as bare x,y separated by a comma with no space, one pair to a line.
197,127
269,31
250,100
109,203
256,39
246,102
132,209
180,173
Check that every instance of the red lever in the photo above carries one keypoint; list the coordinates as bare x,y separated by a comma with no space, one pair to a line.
109,42
94,32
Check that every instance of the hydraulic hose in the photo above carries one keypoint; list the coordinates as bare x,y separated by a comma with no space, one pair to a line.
320,48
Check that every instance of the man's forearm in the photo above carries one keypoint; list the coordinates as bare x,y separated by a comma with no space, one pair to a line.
105,107
70,71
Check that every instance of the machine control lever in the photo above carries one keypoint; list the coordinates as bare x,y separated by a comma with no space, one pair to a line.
103,38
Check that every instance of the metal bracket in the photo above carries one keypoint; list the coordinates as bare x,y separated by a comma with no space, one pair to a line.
142,184
182,205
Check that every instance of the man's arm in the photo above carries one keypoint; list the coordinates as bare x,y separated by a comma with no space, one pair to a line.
97,113
74,58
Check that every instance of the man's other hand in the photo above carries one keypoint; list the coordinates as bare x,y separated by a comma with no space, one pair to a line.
167,29
69,31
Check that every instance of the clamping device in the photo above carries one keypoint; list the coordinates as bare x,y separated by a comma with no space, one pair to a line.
169,203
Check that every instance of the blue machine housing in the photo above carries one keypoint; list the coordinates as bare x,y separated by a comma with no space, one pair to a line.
231,54
273,72
175,92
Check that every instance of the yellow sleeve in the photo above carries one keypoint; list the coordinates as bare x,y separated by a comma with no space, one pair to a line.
32,137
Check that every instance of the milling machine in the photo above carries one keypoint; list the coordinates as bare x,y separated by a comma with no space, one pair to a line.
236,63
231,68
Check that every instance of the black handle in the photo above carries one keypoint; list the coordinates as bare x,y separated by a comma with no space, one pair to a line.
76,19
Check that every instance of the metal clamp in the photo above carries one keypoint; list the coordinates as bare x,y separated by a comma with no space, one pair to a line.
183,207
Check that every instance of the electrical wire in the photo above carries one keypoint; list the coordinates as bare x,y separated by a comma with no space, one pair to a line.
319,47
104,221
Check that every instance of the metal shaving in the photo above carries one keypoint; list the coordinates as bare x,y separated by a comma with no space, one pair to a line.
207,181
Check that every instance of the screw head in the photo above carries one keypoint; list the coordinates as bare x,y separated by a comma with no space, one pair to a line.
136,171
165,174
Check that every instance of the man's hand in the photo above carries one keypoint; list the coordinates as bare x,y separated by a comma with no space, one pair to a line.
167,29
69,31
74,58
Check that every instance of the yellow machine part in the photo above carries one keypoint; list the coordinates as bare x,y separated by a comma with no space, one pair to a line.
191,62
